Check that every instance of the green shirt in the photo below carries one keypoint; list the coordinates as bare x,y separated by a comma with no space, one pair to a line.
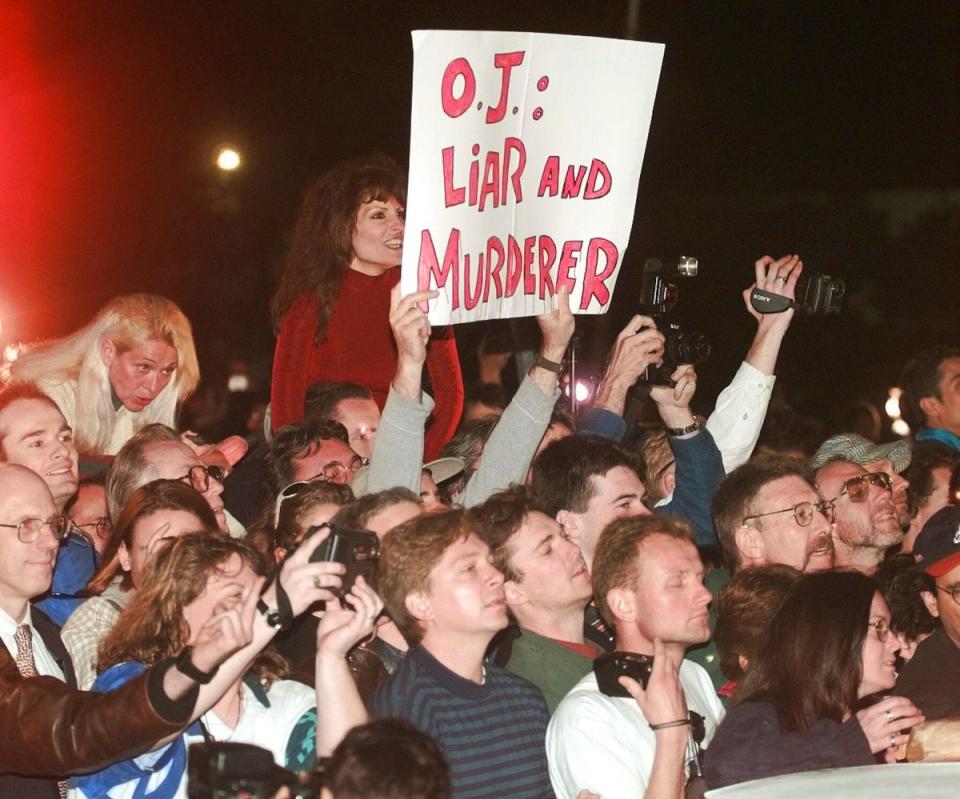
706,654
553,668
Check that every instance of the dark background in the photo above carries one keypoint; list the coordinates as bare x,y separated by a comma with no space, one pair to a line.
823,128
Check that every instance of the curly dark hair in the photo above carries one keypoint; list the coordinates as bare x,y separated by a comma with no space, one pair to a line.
928,456
322,245
499,518
901,584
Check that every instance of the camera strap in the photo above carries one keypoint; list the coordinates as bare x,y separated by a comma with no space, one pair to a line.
766,302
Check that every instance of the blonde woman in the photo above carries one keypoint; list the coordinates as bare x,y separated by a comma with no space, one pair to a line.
129,367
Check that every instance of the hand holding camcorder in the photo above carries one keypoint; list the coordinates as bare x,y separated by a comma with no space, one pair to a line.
659,294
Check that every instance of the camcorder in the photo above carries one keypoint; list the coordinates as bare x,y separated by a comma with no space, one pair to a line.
816,295
659,294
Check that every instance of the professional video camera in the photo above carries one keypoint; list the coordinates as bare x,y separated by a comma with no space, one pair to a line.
659,294
816,295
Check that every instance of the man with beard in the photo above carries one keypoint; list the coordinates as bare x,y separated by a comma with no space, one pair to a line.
892,459
766,511
865,519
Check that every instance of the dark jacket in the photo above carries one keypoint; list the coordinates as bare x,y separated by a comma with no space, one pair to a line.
749,744
29,787
931,678
50,729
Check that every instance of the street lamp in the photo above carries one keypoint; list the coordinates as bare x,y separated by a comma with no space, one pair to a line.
228,159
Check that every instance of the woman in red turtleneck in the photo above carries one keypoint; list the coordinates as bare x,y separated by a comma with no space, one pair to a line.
331,310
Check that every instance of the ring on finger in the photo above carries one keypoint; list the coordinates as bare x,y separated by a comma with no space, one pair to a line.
317,583
893,740
888,714
780,279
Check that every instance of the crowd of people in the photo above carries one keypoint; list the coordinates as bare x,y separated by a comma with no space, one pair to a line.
404,597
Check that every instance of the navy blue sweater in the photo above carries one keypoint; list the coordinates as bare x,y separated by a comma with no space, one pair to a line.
492,734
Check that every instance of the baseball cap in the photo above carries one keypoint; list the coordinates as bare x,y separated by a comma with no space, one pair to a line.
857,449
937,548
440,470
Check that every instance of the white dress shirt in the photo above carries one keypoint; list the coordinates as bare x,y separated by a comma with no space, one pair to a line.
46,665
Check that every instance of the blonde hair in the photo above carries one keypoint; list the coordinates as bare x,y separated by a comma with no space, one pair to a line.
127,321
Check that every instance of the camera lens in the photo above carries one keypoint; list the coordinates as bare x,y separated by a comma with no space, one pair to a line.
687,266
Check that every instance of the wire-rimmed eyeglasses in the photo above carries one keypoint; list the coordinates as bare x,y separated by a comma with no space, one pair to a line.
29,530
803,512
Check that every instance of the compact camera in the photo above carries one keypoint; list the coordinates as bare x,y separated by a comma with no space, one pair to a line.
608,667
358,550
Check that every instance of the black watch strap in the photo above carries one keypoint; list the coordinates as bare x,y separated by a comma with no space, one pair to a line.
186,666
282,617
270,616
674,432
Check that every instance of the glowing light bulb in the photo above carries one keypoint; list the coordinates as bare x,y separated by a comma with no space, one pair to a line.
892,405
228,159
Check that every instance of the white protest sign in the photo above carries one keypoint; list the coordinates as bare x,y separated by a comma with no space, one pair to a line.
525,152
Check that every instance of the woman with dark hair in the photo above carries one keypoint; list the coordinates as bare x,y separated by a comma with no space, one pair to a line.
299,506
155,514
745,607
331,311
806,702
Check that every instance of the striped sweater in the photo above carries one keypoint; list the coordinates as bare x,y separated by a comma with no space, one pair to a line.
492,734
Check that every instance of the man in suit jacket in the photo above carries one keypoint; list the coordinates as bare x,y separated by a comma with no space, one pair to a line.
30,533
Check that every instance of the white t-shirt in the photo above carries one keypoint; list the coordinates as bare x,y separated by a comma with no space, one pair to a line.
269,727
604,744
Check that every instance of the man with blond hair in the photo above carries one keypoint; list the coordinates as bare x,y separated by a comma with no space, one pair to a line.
648,582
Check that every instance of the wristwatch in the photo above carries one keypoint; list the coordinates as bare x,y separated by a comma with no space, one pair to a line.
550,366
682,431
270,615
187,667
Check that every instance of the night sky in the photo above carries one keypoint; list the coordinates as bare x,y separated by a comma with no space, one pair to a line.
824,128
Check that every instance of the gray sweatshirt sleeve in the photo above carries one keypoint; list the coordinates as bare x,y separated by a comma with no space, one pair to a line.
509,450
397,457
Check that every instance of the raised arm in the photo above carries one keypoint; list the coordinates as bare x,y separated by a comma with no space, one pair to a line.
742,406
509,450
397,458
699,466
339,706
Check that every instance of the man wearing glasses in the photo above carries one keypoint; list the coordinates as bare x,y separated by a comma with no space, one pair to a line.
892,459
930,678
31,529
864,515
767,512
313,450
156,452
